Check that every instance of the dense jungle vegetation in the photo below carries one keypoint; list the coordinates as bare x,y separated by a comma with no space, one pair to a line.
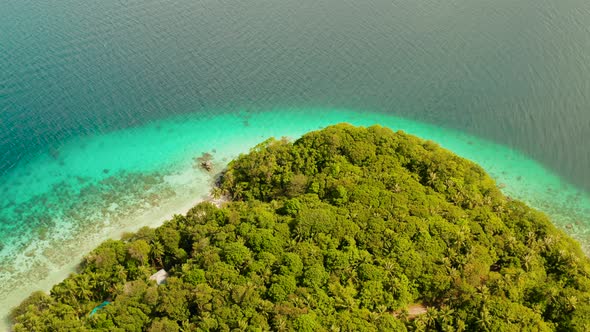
340,230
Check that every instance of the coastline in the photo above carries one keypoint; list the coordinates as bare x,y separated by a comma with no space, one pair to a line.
152,218
169,147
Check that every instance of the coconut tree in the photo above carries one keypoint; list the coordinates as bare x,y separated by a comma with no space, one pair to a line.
484,320
430,318
156,253
445,316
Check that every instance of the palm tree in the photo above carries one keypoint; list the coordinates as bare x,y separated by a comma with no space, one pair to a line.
432,177
487,199
484,321
67,292
527,261
186,326
483,293
242,324
571,301
117,289
334,328
156,253
298,302
216,193
389,266
374,317
403,315
445,316
60,292
82,289
461,327
420,323
119,274
430,318
280,324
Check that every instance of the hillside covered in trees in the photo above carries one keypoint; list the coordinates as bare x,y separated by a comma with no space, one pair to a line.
340,230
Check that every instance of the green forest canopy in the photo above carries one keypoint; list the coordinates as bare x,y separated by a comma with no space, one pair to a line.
340,230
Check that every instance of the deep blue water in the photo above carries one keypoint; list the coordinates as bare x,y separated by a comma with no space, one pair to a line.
101,100
514,71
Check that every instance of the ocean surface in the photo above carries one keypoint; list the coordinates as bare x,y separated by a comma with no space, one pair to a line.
105,105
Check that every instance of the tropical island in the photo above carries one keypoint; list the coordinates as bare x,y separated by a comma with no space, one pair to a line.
344,229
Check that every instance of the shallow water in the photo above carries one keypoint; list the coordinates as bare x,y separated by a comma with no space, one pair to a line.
514,72
104,105
65,203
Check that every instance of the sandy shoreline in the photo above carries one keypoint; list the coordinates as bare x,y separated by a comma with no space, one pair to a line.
152,218
186,138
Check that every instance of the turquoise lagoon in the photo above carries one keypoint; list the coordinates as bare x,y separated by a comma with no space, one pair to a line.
104,105
62,203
